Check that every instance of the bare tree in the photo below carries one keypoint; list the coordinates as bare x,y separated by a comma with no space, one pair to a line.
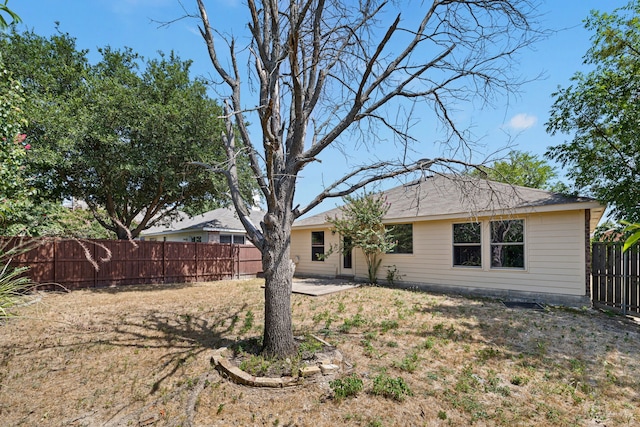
326,71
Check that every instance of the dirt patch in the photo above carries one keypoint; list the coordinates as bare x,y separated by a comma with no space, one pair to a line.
141,356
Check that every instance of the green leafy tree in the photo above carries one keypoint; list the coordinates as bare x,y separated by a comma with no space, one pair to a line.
121,135
523,169
600,109
14,188
360,226
4,10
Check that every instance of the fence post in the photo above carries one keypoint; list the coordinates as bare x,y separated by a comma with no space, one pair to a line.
196,256
625,281
55,261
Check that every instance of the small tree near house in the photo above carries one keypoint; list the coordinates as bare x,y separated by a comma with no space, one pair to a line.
360,226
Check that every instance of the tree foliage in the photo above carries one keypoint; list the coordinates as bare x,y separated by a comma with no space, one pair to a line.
14,188
4,10
601,109
120,134
335,78
360,226
523,169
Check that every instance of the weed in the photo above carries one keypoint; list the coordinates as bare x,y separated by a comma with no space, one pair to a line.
392,388
369,350
442,415
492,385
409,363
354,322
370,335
443,332
220,408
541,348
467,403
346,387
309,345
326,316
393,275
387,325
255,365
428,344
487,353
341,307
248,322
519,380
353,417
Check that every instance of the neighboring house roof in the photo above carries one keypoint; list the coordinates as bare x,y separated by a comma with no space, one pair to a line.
448,197
221,220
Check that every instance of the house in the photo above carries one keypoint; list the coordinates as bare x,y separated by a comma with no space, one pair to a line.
216,226
469,235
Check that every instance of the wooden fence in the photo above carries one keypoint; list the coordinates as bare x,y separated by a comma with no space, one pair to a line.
101,263
615,283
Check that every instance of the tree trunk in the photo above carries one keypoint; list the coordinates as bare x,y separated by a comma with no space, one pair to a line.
124,233
278,273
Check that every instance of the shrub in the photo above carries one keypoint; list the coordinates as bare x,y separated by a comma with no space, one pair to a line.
13,285
392,388
13,282
346,387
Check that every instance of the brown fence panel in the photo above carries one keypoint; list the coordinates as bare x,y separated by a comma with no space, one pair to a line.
39,259
216,262
100,263
124,263
249,261
615,278
180,262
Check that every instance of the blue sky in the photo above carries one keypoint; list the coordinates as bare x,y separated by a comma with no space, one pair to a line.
119,23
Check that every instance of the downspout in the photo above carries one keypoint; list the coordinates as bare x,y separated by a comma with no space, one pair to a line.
587,253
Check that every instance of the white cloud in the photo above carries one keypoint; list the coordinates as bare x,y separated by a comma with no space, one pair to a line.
522,121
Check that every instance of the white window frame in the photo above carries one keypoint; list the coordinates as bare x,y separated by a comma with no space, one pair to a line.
503,244
463,244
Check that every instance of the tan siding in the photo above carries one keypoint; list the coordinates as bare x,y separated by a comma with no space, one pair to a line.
554,257
301,254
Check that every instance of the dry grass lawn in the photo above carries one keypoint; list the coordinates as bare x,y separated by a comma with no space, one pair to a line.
140,356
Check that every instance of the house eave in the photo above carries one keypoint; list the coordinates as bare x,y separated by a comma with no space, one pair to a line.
596,208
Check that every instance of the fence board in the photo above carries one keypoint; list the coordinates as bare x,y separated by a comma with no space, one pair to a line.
615,278
73,263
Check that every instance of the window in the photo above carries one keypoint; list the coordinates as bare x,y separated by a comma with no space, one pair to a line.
317,246
467,245
232,238
507,244
402,234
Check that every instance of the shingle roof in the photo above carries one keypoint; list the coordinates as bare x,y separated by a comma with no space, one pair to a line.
223,219
447,196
